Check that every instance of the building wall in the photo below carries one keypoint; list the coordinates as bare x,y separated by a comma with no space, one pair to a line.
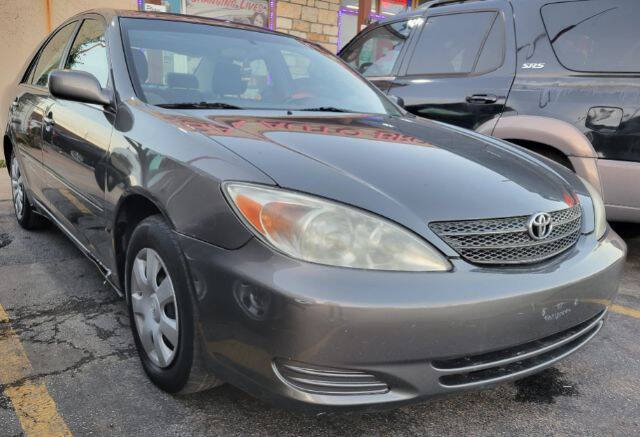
315,20
24,23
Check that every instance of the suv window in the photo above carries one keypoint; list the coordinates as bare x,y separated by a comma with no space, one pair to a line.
595,35
492,54
444,48
51,55
376,53
89,51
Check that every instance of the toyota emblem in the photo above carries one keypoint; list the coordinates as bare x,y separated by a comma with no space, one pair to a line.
540,225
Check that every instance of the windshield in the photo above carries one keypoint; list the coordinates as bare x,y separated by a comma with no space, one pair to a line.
187,65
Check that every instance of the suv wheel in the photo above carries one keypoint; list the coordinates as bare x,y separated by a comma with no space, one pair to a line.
162,310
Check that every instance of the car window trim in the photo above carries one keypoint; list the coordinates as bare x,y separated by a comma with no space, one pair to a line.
484,42
67,51
75,20
26,77
502,17
472,73
396,66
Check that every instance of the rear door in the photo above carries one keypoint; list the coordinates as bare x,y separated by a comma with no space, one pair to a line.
29,108
460,65
376,52
597,88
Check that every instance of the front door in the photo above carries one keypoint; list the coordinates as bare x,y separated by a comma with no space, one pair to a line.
376,52
459,66
76,144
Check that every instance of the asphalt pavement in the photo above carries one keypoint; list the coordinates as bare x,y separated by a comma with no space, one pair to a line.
67,360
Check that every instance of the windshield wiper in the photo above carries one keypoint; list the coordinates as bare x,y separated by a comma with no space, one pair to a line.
323,109
198,105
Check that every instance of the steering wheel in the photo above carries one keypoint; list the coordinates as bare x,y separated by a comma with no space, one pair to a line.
363,67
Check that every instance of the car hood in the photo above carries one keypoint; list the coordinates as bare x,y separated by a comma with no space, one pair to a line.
410,170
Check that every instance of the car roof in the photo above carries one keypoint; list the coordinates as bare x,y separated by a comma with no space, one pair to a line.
435,3
400,16
128,13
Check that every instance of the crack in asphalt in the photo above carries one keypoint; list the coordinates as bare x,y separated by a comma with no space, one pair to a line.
43,326
122,355
26,321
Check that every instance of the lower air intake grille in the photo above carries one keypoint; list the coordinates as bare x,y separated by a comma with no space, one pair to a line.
328,381
470,371
507,240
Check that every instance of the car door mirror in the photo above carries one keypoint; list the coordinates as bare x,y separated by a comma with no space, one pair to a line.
78,86
397,100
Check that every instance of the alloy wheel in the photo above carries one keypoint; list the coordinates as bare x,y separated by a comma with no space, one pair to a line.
17,188
155,309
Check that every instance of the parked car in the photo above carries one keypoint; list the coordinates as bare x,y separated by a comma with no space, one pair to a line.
276,222
559,78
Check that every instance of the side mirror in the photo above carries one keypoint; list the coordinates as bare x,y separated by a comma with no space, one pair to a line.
397,100
78,86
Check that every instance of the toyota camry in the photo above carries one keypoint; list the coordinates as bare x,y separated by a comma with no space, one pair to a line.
277,223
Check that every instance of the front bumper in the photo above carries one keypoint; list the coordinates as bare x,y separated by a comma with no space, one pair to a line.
420,334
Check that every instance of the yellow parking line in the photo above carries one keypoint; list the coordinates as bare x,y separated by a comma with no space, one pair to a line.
33,405
625,311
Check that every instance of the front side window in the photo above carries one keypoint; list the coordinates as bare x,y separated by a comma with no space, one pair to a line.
174,63
595,35
51,55
89,51
376,53
450,44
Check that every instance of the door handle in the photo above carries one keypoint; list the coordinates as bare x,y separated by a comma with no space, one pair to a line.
14,104
482,98
48,120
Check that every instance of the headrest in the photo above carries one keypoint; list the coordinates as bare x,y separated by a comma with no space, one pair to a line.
182,80
227,79
141,65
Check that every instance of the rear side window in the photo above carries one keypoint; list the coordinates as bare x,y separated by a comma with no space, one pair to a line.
89,51
51,55
450,44
376,53
595,35
492,54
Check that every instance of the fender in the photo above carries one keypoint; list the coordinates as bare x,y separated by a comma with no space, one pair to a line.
560,135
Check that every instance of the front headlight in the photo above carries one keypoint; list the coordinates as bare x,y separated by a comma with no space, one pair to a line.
324,232
599,212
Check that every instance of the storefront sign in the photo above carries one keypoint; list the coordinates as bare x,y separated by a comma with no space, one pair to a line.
255,12
174,6
150,7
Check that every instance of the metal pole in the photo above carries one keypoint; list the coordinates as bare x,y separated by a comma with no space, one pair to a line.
47,12
364,9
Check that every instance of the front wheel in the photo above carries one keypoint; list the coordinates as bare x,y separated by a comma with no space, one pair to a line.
162,311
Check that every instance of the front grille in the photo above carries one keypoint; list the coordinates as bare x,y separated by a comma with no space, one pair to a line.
508,363
507,240
328,381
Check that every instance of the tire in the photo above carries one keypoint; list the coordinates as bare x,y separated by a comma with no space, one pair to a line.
25,213
162,310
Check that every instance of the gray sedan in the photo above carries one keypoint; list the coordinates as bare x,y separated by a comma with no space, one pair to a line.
277,223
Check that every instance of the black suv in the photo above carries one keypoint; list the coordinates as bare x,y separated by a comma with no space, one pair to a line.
560,78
